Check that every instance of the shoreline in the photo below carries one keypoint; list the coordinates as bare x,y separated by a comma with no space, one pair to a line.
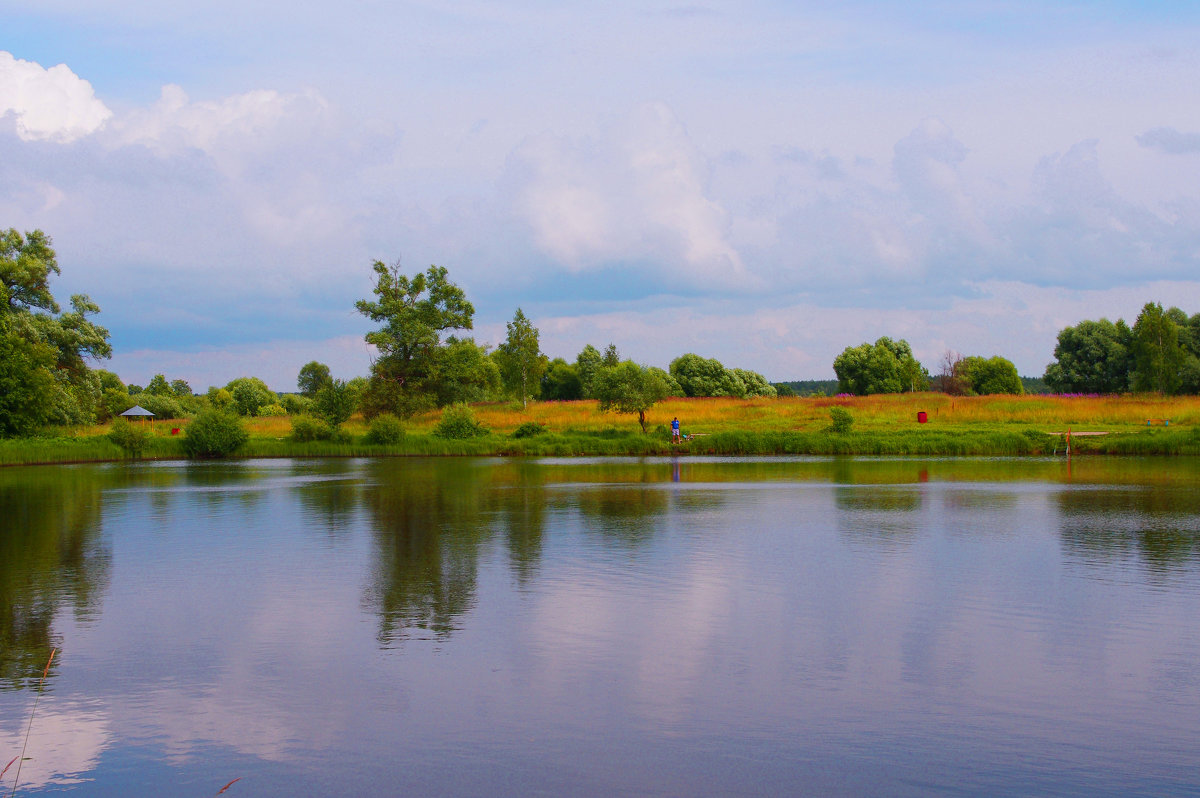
902,443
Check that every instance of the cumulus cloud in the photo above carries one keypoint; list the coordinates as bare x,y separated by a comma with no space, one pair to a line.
1170,141
634,194
49,104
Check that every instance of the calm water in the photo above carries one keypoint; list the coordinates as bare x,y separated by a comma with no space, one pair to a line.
597,627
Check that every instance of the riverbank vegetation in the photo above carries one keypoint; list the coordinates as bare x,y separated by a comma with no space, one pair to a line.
881,425
434,390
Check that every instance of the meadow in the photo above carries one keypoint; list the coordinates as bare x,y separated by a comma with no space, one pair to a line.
882,425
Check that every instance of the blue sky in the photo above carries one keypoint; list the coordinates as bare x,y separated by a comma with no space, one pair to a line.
765,183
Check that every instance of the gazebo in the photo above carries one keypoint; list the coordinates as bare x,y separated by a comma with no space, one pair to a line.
139,412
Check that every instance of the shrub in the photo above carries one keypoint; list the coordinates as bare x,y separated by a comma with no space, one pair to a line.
458,423
130,437
295,404
307,428
335,402
214,433
113,402
271,410
529,429
385,429
841,421
161,405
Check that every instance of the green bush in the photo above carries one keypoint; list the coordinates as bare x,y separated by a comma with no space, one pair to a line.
214,433
529,429
161,405
335,402
131,437
841,421
271,410
385,429
307,428
295,404
458,423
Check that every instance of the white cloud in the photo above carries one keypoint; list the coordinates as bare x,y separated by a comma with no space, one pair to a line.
49,104
64,744
635,194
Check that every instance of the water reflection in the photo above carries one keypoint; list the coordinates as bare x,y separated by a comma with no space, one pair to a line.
51,557
628,515
874,512
1158,524
521,511
428,525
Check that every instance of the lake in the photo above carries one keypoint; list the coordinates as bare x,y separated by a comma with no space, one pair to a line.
642,626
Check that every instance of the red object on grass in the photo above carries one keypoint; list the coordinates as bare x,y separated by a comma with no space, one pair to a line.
922,416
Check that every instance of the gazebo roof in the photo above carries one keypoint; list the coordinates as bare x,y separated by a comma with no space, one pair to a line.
137,410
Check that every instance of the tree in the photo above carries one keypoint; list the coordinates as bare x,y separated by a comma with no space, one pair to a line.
561,382
1157,356
586,363
181,389
159,386
465,373
26,382
989,375
756,384
43,341
673,386
950,379
1092,357
335,402
611,356
312,376
886,366
699,376
629,388
249,394
414,313
520,358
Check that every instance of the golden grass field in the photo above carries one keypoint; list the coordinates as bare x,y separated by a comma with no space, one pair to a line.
881,412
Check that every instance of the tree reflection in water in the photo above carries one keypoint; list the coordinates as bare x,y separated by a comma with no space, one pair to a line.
1160,524
51,556
428,524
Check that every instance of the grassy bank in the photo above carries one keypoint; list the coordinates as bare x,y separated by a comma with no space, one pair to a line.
883,425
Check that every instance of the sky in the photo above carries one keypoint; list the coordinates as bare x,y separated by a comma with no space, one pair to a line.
765,183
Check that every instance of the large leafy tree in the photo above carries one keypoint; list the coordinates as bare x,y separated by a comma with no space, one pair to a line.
989,375
1157,355
1092,357
699,376
520,358
561,381
629,388
312,377
886,366
586,364
45,370
414,314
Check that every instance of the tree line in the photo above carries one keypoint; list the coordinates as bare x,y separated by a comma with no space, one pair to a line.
1160,353
425,359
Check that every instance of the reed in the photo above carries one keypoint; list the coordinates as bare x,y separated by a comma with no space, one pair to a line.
29,727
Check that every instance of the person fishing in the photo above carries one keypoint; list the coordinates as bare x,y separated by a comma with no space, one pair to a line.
675,430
